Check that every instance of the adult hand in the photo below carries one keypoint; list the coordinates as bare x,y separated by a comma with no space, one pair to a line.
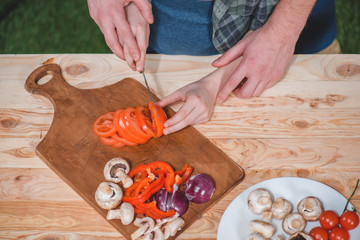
198,97
110,16
265,56
141,31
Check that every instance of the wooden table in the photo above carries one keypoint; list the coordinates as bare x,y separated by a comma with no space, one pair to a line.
308,125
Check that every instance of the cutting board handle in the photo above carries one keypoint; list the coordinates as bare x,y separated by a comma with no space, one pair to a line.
49,88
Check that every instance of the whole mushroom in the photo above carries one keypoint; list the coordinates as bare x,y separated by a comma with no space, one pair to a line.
108,195
116,171
260,200
293,222
310,208
255,236
280,208
300,236
264,228
125,213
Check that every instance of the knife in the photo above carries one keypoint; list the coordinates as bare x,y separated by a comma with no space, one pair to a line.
152,99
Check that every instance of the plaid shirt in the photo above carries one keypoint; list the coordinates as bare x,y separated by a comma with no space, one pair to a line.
232,19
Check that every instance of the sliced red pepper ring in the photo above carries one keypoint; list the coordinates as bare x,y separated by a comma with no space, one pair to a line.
132,123
107,140
158,123
125,131
143,116
122,140
104,126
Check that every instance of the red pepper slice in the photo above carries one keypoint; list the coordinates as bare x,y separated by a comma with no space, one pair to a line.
181,179
182,171
150,190
169,182
151,210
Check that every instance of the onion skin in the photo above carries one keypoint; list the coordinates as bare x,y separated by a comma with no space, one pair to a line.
166,201
199,188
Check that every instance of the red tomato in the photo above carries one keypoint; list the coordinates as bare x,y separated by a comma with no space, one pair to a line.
339,234
329,219
349,220
319,233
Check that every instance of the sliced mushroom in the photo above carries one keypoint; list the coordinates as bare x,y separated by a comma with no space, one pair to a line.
116,171
300,236
125,214
310,208
260,200
264,228
108,195
256,236
140,231
172,227
158,235
280,237
146,226
280,208
293,222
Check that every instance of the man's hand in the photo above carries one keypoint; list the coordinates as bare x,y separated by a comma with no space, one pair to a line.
198,99
110,16
265,52
264,59
141,31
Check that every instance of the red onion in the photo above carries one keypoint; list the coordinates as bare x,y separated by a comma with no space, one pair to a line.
166,201
199,188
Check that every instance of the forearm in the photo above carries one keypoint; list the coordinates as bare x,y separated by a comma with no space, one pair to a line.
289,18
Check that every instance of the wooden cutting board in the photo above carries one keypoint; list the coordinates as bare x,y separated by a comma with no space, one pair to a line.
74,153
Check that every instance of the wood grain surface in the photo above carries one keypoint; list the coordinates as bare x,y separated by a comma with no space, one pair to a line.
76,155
307,125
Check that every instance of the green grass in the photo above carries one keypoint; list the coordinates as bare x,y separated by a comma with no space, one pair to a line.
64,26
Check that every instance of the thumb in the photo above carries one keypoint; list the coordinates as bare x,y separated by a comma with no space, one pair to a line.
230,55
170,99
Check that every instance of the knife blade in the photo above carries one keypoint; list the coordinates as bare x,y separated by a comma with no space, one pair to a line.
152,99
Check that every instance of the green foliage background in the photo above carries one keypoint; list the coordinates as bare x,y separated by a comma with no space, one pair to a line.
64,26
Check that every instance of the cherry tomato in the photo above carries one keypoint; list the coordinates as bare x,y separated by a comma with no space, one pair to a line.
349,220
319,233
329,219
339,233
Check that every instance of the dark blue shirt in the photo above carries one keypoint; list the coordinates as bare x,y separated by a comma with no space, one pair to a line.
185,27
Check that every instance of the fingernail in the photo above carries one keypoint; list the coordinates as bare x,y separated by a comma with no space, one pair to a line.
216,61
166,132
151,18
139,68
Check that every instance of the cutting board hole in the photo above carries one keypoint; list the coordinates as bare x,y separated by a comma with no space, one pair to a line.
45,78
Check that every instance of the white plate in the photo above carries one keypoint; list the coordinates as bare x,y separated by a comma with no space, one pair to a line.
235,221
